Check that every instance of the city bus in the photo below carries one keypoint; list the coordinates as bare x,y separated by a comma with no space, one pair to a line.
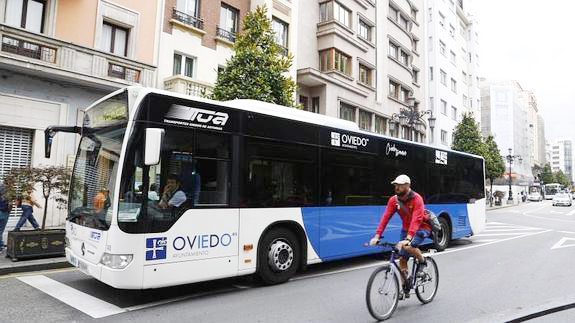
264,189
551,190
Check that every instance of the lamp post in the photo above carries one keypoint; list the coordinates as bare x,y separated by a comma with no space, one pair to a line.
411,118
510,159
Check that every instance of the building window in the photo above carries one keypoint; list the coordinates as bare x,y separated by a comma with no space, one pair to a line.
430,14
346,112
451,30
415,45
452,57
430,44
395,15
431,102
453,113
443,77
364,120
229,21
183,65
453,86
416,76
465,100
398,92
365,76
380,125
115,39
189,7
444,137
333,10
431,73
393,50
315,104
364,30
464,77
280,29
332,59
442,48
404,58
443,107
27,14
414,14
303,100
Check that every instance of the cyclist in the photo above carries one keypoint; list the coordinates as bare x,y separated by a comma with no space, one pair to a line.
414,230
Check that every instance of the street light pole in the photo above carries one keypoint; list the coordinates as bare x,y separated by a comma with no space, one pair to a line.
510,159
410,118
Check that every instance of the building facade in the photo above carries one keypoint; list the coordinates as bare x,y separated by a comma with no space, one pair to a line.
510,114
198,36
452,65
362,61
58,57
561,157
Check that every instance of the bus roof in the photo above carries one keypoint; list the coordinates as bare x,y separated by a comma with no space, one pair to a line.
279,111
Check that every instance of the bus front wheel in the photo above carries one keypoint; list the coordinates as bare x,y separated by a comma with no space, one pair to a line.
441,239
278,256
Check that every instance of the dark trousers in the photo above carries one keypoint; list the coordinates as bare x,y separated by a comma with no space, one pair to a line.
27,215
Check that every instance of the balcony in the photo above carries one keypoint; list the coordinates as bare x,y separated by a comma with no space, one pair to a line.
226,35
52,58
188,22
188,86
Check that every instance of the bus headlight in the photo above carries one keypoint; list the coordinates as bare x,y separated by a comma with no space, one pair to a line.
116,261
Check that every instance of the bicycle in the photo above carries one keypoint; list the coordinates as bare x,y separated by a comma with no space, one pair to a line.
383,288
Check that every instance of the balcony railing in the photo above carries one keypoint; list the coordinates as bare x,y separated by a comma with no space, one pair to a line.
226,34
195,22
43,54
186,85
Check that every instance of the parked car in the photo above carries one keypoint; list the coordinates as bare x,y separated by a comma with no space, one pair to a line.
562,199
535,196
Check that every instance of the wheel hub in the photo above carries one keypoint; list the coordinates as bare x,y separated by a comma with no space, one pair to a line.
280,256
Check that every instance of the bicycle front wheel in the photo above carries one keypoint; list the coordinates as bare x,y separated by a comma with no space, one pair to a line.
382,294
426,285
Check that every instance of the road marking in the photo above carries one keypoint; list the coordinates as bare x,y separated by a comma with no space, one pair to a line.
571,213
555,212
484,240
510,229
88,304
434,254
561,243
40,272
498,234
569,232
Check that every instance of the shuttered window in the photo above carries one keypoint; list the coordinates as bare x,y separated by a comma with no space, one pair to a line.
15,151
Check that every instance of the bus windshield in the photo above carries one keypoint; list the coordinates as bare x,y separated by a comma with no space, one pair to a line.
97,161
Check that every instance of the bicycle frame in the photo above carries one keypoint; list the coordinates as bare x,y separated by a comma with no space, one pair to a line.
392,260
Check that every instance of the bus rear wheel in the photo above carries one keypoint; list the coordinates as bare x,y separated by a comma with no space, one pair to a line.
278,256
441,239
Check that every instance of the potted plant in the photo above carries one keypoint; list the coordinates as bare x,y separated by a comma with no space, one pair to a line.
53,182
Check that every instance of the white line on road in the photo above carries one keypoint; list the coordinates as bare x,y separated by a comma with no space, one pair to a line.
484,240
499,234
561,243
569,232
512,229
88,304
427,253
571,213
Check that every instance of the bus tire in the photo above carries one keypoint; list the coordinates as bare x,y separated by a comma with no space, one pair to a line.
278,256
441,239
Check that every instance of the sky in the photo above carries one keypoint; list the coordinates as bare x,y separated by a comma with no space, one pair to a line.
532,42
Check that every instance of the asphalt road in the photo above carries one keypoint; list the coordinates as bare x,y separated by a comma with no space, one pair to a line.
522,264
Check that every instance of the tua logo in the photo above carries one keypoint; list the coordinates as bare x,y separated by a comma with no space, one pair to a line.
156,248
198,115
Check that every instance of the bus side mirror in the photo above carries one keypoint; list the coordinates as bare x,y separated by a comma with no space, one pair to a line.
154,139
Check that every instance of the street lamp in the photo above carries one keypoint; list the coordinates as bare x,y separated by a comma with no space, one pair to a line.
510,159
411,118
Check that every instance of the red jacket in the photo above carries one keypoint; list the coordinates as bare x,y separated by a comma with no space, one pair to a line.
411,222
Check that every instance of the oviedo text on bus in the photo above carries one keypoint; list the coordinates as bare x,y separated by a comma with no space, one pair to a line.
169,189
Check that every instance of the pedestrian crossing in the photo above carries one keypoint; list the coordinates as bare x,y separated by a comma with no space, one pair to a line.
495,231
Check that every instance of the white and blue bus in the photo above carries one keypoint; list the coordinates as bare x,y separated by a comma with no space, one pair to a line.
268,189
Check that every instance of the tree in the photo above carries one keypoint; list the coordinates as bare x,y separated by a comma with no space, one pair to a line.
494,164
54,181
257,69
562,179
547,176
466,136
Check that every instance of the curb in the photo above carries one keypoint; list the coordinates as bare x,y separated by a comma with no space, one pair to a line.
21,266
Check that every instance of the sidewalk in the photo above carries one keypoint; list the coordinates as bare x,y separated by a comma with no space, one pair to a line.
488,208
7,266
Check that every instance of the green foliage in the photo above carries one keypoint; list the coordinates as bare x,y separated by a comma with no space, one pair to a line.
53,180
494,164
466,136
562,179
547,175
257,69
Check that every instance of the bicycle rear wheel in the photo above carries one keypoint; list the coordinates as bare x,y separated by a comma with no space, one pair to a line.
426,286
382,294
